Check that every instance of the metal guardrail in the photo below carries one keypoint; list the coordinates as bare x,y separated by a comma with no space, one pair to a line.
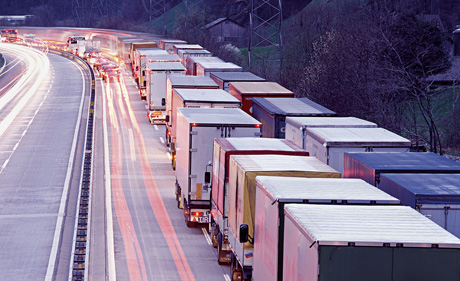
78,270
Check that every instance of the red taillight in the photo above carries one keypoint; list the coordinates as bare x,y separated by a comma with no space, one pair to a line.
257,125
197,214
186,212
193,124
169,133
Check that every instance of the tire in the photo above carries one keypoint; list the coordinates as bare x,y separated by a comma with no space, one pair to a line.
237,276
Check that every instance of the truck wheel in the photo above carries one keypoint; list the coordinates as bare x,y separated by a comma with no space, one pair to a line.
214,240
237,276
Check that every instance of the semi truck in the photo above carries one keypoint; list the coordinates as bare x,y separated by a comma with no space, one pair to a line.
296,127
274,193
360,243
167,44
329,144
205,68
223,149
246,91
224,78
191,63
196,98
156,74
139,64
72,43
436,196
243,170
177,47
369,166
196,130
272,113
139,45
182,82
185,53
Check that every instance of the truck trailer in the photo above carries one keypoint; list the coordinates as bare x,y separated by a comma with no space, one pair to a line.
362,243
369,166
329,144
196,98
140,59
205,68
196,130
296,127
243,170
177,47
139,45
224,78
272,113
185,53
223,149
182,82
191,63
167,44
246,91
273,193
157,72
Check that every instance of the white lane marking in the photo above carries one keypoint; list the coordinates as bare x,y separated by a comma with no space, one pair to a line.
6,163
62,206
15,146
156,127
227,277
132,145
206,235
162,140
108,195
169,155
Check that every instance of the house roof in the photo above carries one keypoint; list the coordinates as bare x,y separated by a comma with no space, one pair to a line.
217,21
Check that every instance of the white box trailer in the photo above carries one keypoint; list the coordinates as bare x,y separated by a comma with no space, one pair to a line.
196,130
132,52
436,196
329,144
157,72
141,58
243,170
223,149
124,46
182,82
273,193
185,53
205,68
177,47
197,98
191,63
224,78
296,127
168,44
361,243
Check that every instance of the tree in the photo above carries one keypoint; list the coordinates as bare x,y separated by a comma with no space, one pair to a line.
43,16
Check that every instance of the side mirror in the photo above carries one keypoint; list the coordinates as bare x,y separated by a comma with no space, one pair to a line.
207,177
244,233
167,118
163,102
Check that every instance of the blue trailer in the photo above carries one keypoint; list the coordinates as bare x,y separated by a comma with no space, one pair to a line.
370,165
272,113
437,196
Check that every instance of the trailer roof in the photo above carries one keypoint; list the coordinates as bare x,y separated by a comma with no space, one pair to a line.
323,190
236,76
357,136
423,189
292,106
206,95
179,80
163,58
218,116
329,122
173,41
340,225
165,66
188,46
269,144
283,163
205,59
255,88
400,162
193,51
151,51
219,66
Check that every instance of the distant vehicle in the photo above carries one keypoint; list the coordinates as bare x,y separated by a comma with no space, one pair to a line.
72,43
110,72
9,35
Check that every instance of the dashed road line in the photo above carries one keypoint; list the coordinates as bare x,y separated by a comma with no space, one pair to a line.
206,235
162,140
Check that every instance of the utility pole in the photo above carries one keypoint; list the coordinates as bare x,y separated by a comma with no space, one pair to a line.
265,21
88,12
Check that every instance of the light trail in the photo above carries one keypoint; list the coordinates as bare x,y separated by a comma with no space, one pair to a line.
38,69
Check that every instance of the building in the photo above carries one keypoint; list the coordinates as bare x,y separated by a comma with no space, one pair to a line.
224,30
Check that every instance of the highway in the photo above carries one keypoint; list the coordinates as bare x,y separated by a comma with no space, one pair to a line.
150,238
41,101
137,231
